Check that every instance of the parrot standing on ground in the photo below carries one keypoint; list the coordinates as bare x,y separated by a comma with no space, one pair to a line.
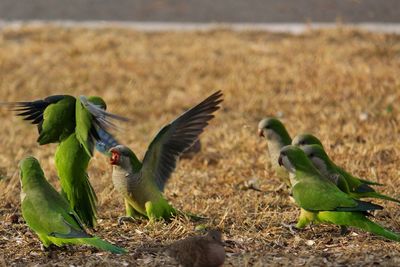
49,215
277,137
142,183
321,201
358,188
74,123
309,139
348,183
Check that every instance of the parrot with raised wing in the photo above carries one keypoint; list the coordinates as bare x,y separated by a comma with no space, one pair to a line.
142,183
346,183
76,124
49,215
277,137
321,201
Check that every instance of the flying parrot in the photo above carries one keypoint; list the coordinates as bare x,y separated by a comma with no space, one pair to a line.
49,215
277,137
76,124
142,183
342,179
321,201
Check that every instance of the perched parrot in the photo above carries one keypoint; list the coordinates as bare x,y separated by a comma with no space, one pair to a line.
321,201
344,181
354,182
277,137
49,215
142,183
76,124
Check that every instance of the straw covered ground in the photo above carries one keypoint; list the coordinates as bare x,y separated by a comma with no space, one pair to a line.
342,85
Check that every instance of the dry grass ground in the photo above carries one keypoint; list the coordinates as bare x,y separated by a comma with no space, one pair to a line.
342,85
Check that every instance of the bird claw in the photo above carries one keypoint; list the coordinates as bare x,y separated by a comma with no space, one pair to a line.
290,227
125,219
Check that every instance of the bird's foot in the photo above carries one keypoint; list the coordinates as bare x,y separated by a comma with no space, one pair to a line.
344,230
123,219
290,226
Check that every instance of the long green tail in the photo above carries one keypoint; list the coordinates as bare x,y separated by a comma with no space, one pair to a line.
369,182
375,195
358,220
103,245
71,162
192,216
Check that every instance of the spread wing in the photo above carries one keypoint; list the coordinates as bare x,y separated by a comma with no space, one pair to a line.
163,152
53,115
91,121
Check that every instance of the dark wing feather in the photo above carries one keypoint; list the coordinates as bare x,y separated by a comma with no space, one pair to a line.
33,111
97,129
163,152
106,141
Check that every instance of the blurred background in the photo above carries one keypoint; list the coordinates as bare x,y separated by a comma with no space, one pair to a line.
228,11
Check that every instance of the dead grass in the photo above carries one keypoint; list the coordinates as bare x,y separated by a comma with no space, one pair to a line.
342,85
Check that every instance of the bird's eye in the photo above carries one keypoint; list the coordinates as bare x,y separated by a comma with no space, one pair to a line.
311,155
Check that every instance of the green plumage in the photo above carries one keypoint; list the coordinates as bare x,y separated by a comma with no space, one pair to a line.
58,121
142,183
71,163
350,219
74,124
277,137
345,181
49,215
321,201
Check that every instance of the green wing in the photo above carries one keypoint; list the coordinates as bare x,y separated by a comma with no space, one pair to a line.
319,194
162,154
89,119
54,116
45,210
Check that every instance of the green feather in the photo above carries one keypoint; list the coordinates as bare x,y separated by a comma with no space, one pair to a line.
49,215
71,162
58,121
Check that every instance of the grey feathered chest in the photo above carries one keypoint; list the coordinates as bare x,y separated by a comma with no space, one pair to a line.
125,182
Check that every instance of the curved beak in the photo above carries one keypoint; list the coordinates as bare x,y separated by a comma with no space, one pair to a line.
114,159
260,133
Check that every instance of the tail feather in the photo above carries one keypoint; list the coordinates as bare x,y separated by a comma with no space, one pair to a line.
192,216
377,195
103,245
71,163
105,142
358,220
85,205
370,182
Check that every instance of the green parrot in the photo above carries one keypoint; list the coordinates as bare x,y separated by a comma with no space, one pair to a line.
344,181
321,201
277,137
74,123
49,215
142,183
354,182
